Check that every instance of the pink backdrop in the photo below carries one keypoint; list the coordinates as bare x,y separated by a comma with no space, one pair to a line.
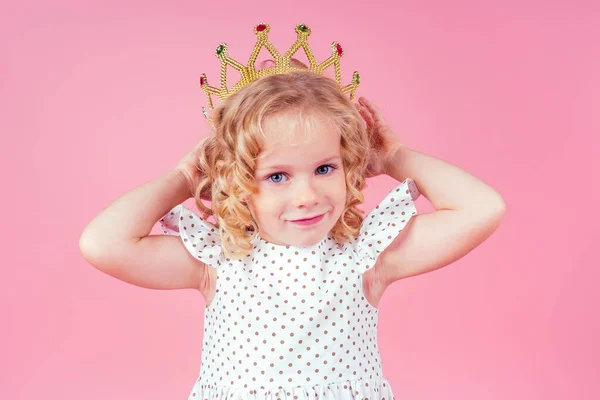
97,99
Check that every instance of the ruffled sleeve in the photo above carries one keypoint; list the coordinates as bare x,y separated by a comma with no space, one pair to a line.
200,237
384,223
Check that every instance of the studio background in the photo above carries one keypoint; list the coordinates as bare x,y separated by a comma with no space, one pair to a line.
99,98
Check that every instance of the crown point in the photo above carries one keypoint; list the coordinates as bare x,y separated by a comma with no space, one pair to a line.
202,80
261,27
303,28
221,49
356,77
339,49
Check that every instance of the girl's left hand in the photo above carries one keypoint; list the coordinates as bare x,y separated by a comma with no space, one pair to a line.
384,142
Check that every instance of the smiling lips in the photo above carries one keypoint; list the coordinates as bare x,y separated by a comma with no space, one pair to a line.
309,221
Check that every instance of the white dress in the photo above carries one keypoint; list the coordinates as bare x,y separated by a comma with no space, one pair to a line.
292,322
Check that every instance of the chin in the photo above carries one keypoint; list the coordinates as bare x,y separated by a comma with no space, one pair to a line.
309,243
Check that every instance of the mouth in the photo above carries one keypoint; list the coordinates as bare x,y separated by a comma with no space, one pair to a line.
308,221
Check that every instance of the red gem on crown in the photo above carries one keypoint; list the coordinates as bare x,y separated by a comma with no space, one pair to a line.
201,81
261,27
339,50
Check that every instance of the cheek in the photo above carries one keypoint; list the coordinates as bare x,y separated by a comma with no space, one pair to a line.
339,192
266,204
341,199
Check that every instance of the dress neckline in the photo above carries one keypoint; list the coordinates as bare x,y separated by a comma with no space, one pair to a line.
259,242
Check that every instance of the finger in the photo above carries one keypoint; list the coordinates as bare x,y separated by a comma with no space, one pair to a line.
376,115
365,114
359,108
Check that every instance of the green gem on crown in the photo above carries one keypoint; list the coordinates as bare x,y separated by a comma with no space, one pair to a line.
357,77
220,49
303,28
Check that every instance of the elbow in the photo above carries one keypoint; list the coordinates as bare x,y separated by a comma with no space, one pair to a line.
104,254
495,213
94,252
494,216
499,208
88,247
488,213
494,208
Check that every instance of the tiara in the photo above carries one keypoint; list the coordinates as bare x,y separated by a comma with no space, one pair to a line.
282,64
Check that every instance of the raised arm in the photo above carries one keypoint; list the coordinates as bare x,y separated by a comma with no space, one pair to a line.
467,212
117,240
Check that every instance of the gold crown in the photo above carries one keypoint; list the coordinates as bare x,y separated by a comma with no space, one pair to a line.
282,64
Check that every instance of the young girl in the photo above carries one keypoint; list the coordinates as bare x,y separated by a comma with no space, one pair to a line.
291,273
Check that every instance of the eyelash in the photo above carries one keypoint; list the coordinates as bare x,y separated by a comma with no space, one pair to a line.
332,166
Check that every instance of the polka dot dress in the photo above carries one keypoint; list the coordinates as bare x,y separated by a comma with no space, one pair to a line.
292,322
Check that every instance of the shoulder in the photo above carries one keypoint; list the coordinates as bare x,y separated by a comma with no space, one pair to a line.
200,237
385,222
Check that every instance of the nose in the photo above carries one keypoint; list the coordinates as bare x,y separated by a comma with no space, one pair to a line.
304,193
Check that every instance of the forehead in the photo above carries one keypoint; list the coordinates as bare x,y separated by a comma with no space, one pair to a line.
288,136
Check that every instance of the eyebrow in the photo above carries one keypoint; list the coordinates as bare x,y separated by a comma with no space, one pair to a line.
281,166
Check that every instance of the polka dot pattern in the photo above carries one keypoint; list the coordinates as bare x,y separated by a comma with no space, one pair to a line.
200,237
293,322
385,222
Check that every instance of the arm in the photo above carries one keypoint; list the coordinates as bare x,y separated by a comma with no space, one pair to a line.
116,241
467,212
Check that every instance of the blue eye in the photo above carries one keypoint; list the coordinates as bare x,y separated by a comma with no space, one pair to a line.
327,168
280,177
278,174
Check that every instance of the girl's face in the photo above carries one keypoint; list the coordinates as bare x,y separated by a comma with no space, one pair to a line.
299,175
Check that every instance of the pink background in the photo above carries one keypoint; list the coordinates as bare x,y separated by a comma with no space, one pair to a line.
97,99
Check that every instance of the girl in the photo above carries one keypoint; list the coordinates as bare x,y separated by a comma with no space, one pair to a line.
290,271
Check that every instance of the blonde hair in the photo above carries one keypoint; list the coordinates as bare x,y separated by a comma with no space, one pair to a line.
228,160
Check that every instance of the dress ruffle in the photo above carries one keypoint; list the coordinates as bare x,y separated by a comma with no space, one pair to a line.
200,237
356,389
381,226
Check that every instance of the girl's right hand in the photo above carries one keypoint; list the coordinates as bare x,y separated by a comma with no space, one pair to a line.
191,172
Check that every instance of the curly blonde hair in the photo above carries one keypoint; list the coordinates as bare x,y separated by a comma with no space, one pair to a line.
229,156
